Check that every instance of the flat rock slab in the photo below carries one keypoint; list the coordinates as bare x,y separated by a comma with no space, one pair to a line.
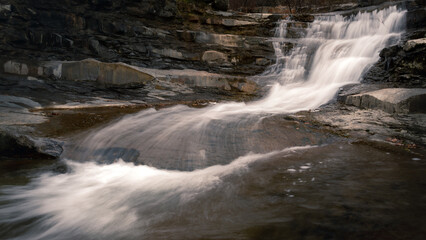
111,74
391,100
14,111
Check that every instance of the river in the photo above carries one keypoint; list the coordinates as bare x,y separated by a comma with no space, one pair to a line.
235,170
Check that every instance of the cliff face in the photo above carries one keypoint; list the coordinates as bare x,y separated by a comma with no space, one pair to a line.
162,34
403,65
149,33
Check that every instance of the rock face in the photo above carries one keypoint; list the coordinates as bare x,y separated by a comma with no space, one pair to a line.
147,33
106,74
401,65
391,100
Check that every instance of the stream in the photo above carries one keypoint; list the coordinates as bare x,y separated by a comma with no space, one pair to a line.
235,170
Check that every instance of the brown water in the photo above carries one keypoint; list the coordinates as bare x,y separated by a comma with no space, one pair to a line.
336,190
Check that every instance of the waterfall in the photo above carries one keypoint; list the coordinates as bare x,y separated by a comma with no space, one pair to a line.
335,52
124,201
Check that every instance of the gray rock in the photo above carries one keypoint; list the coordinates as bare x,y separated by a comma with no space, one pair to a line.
15,68
14,144
391,100
110,74
15,111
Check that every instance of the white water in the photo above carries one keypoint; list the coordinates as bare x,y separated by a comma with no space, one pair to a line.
335,52
114,201
119,200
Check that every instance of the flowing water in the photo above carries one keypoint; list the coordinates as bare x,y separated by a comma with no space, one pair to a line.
236,170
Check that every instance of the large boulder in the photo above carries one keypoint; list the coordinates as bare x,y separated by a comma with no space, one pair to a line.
13,144
391,100
109,74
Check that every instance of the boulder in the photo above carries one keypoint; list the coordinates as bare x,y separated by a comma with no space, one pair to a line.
17,145
413,44
86,70
109,74
391,100
120,74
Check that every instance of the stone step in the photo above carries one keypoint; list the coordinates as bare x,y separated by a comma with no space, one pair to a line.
391,100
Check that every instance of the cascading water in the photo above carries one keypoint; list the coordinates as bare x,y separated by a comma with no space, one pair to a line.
185,138
122,201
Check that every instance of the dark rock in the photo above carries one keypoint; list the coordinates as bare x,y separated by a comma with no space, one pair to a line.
111,155
17,145
402,65
169,10
303,17
416,18
221,5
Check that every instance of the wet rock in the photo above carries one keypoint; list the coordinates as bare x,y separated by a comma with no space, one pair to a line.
13,144
111,155
391,100
400,65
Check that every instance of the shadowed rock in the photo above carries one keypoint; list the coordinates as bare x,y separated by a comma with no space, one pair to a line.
13,144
